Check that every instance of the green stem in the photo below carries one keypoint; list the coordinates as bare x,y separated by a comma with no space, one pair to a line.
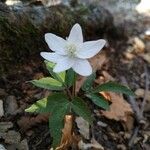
74,86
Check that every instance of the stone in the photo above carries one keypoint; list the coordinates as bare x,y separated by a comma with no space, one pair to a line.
4,126
139,46
2,147
11,105
23,145
1,108
12,137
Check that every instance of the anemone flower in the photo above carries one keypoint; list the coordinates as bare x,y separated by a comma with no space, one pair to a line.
72,52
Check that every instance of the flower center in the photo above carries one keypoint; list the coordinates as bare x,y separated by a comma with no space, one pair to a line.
71,50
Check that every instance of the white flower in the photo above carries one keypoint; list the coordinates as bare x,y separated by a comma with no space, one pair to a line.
72,52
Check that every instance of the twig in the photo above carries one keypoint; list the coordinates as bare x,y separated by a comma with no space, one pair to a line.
146,91
138,112
132,101
135,133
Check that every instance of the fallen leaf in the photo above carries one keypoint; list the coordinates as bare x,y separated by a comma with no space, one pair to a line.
119,110
83,126
106,95
69,139
98,61
66,140
105,77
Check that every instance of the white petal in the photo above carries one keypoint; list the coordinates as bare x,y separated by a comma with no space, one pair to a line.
82,67
76,35
53,57
56,43
90,48
63,64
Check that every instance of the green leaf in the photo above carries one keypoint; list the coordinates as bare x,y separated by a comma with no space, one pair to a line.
56,100
87,86
70,77
38,107
56,123
113,87
80,108
58,76
98,100
48,83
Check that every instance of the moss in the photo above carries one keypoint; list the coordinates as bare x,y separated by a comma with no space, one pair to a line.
17,42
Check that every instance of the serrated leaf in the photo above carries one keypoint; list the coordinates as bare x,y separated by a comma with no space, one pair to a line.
56,123
87,86
70,77
38,107
58,76
80,108
48,83
99,100
113,87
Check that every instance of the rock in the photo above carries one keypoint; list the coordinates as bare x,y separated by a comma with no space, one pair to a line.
139,46
23,145
84,127
30,23
1,108
11,105
4,126
2,147
12,137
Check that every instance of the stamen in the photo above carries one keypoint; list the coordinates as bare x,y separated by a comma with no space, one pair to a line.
71,50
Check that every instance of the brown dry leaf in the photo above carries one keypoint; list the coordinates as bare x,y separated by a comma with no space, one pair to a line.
105,77
106,95
68,137
26,123
119,110
98,60
66,140
96,63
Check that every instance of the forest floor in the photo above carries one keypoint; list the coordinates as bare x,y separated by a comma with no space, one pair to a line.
126,61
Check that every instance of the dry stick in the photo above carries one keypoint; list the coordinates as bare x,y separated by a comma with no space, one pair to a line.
132,101
139,112
146,91
136,109
135,133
